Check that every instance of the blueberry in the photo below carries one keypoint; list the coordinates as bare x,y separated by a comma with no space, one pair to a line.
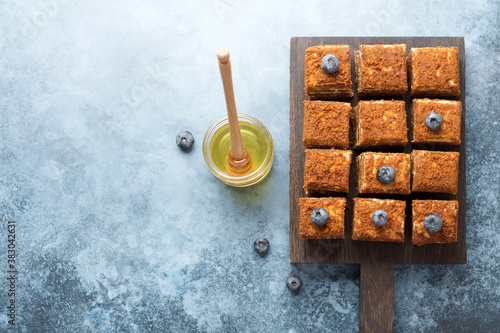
380,217
319,216
433,223
293,283
330,63
261,246
433,120
386,174
185,140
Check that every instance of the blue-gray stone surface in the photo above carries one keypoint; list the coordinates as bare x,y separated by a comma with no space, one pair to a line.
118,230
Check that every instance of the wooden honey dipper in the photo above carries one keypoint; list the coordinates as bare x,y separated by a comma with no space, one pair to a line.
239,161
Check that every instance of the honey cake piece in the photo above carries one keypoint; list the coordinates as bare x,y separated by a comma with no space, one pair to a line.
442,128
434,72
381,70
334,225
326,124
435,171
380,123
327,170
381,220
434,221
383,173
322,85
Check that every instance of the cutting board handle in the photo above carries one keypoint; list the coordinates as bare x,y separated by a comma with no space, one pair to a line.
376,297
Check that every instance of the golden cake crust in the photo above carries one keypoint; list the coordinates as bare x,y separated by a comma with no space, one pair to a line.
327,170
448,132
334,228
380,123
447,210
381,70
363,229
435,171
326,124
434,71
367,167
322,85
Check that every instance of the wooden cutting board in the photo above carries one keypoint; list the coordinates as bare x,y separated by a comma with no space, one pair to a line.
377,259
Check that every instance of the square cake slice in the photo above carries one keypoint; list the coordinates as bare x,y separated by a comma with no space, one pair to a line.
434,221
334,227
381,70
326,124
327,170
380,123
435,171
434,72
322,85
428,129
369,223
383,173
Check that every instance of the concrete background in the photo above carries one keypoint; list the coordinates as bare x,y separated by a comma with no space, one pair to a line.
118,230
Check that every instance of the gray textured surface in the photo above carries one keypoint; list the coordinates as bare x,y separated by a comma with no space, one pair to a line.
119,230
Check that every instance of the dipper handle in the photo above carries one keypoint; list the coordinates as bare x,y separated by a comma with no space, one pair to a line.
237,150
